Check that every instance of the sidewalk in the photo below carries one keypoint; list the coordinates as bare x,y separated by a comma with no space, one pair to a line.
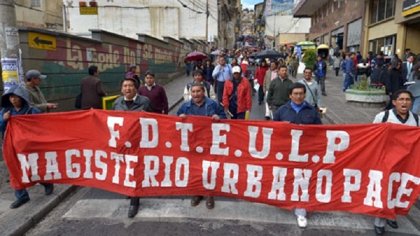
18,221
339,110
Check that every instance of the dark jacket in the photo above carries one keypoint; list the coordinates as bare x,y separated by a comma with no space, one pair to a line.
211,108
394,81
308,114
320,69
92,92
141,103
7,106
278,92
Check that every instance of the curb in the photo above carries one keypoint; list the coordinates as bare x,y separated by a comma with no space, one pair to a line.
47,208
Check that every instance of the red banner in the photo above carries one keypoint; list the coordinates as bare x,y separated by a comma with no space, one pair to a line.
370,169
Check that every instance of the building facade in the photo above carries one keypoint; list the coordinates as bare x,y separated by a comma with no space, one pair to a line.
281,27
157,18
40,14
392,26
337,23
229,23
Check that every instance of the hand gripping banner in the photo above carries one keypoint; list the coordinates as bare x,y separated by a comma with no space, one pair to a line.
370,169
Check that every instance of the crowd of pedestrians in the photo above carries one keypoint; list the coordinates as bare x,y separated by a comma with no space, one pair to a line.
222,87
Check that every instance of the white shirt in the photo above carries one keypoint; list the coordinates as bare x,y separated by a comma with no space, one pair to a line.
392,118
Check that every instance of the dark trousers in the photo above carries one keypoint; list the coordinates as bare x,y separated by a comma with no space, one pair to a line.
238,116
23,194
134,201
321,82
219,90
336,71
260,94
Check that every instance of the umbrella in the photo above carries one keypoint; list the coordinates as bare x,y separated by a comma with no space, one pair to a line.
195,56
268,53
306,43
323,46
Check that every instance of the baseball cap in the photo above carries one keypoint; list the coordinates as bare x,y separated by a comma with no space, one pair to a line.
236,69
34,74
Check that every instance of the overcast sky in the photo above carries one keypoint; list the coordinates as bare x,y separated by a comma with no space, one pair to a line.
250,3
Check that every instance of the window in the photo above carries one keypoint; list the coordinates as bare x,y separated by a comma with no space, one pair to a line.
386,45
36,3
381,10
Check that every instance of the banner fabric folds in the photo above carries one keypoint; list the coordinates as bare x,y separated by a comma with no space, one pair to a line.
370,169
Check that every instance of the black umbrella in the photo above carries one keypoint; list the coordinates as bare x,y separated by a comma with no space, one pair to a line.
268,53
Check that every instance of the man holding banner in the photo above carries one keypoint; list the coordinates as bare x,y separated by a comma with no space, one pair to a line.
131,101
298,111
401,114
201,105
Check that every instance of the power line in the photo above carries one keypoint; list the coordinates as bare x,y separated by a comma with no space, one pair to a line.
186,6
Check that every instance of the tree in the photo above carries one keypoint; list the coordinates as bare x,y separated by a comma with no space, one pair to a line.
309,58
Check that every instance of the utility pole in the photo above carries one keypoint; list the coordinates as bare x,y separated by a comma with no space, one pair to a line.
207,20
9,43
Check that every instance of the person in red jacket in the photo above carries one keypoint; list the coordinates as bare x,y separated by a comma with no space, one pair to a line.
237,95
259,75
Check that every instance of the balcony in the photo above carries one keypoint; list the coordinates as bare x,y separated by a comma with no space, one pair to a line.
306,8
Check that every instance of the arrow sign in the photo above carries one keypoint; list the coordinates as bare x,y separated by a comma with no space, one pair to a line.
38,41
42,41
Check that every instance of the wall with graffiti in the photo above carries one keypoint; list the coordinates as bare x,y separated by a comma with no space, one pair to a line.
65,59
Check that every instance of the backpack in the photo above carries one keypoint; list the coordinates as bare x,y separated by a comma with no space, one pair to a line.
385,118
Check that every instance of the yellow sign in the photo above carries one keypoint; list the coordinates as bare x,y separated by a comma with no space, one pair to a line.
108,101
411,11
88,10
42,41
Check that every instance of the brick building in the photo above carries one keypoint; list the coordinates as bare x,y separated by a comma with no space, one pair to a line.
338,23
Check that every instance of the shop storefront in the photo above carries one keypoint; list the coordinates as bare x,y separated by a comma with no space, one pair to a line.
384,44
354,34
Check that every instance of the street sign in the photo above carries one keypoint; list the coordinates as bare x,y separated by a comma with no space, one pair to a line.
42,41
88,10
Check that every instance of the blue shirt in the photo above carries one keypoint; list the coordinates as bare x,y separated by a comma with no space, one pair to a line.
222,74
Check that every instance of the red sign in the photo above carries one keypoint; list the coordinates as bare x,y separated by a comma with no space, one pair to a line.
369,169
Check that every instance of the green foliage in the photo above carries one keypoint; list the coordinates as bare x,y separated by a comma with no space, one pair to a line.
363,85
309,58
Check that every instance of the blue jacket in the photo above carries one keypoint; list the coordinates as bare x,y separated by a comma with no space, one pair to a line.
211,108
308,114
21,92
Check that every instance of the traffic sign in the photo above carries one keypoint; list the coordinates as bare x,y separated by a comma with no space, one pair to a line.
42,41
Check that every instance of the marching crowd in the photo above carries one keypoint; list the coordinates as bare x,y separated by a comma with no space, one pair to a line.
223,88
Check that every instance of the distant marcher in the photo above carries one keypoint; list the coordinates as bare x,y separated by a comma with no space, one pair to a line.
400,114
278,92
208,72
348,72
155,93
394,81
16,102
407,68
131,101
198,76
415,90
320,70
259,75
36,97
270,75
336,63
221,73
188,67
92,91
298,111
237,99
313,92
132,73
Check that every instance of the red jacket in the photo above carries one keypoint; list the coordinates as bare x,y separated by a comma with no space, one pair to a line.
260,73
244,95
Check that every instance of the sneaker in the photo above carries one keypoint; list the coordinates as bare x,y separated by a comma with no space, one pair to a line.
19,202
301,221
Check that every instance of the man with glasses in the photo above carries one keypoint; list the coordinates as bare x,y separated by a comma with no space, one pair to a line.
298,111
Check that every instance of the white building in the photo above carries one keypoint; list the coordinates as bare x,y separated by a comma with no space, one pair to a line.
158,18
